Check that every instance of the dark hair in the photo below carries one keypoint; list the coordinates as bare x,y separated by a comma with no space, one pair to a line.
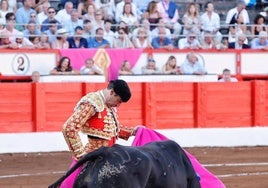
121,88
206,5
86,21
257,17
58,68
9,15
78,28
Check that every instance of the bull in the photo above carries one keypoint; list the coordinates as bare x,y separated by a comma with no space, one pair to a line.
161,164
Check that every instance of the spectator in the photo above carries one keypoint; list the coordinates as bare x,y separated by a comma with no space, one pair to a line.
125,68
122,41
170,67
210,21
52,31
20,42
169,12
73,22
4,40
120,8
129,17
64,15
152,14
87,29
64,68
239,43
83,7
61,40
35,76
150,67
162,41
4,6
10,25
191,20
98,41
33,18
90,14
98,21
43,14
31,29
209,42
23,14
107,7
265,14
261,42
35,40
258,25
192,65
44,42
189,42
90,68
109,35
77,41
51,11
234,13
123,25
238,28
74,3
145,25
161,24
226,76
142,40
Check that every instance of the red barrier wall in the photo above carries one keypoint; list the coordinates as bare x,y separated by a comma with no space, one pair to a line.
28,107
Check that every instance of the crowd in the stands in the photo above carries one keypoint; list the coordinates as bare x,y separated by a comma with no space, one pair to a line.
128,24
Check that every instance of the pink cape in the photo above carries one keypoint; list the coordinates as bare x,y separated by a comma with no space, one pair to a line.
207,179
145,135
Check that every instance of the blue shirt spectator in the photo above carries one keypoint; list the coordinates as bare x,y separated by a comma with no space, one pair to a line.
98,41
51,16
192,65
23,14
77,41
261,42
161,41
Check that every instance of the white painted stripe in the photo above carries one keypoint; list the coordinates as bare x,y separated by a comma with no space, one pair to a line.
197,137
243,174
35,174
236,164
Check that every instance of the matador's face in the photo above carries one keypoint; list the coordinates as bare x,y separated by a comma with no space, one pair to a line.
113,100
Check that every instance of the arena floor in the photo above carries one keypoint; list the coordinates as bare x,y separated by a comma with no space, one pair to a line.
237,167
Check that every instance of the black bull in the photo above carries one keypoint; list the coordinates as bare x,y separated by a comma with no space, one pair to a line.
161,164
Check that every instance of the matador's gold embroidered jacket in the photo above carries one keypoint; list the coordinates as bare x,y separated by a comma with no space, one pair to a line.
94,118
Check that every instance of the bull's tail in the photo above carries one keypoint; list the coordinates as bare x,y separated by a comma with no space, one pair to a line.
86,158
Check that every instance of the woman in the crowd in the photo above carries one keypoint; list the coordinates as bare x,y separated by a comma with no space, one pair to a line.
64,68
125,68
170,67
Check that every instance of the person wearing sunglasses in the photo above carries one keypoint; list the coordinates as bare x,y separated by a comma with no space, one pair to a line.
51,16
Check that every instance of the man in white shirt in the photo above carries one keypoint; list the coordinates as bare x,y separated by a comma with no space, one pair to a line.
233,13
41,16
226,76
210,21
64,15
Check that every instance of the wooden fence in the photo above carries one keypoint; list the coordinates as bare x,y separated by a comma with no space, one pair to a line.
28,107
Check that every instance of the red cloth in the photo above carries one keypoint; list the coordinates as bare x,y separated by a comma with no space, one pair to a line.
208,180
